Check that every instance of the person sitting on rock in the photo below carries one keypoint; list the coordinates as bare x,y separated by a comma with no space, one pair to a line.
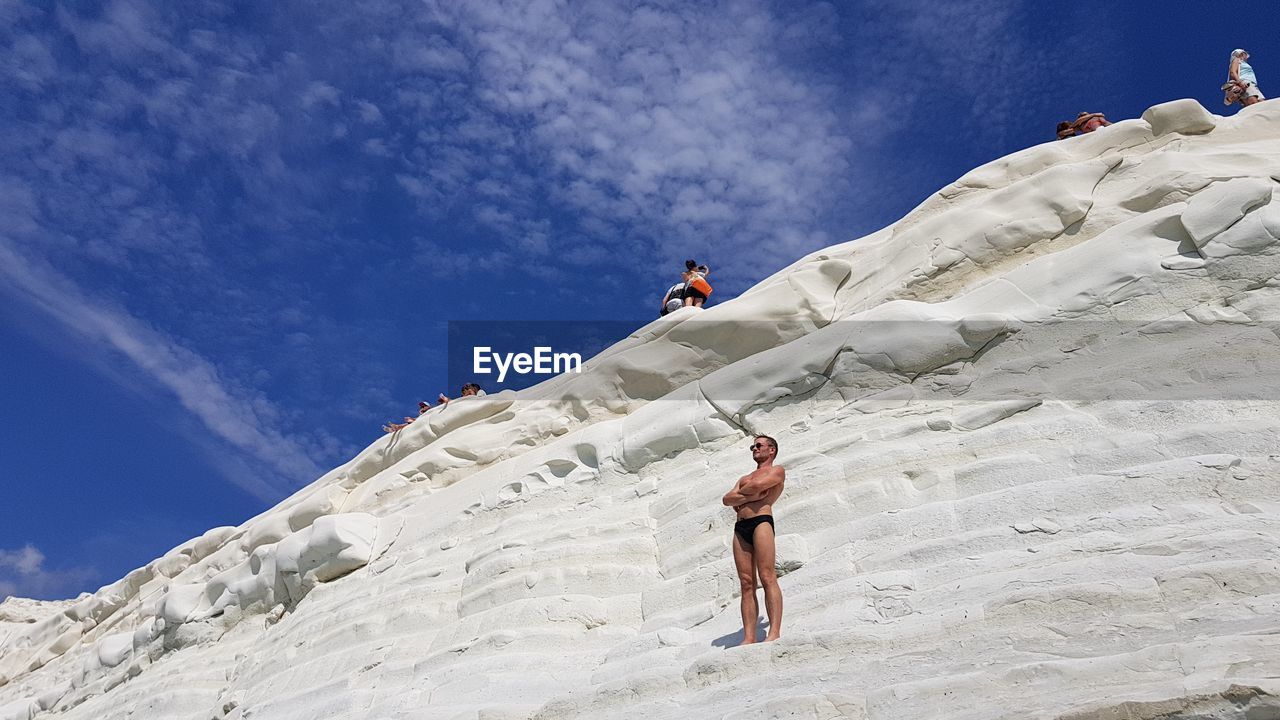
466,391
696,287
423,407
673,299
1242,84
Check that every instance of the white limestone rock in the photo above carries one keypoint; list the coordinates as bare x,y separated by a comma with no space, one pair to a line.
1185,116
22,709
1221,205
1029,433
1182,262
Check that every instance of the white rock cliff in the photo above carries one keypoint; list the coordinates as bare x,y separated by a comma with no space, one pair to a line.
1030,437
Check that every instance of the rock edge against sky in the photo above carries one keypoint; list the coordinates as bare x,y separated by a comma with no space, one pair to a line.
1030,439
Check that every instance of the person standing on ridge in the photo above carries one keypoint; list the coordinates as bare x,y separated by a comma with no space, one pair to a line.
752,497
1242,85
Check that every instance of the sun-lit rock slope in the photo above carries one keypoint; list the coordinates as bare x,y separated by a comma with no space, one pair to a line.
1030,433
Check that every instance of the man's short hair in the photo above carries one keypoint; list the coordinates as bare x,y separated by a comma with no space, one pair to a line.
772,443
471,386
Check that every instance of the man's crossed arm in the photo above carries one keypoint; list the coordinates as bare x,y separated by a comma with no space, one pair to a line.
753,488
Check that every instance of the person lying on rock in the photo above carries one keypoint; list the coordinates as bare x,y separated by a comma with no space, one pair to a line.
1085,122
423,407
752,497
467,391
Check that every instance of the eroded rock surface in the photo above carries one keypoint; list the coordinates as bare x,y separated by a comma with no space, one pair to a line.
1030,433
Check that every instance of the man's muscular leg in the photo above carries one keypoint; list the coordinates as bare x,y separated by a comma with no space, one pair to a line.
764,555
744,562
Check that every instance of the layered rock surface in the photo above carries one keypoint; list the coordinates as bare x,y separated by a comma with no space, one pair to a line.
1030,436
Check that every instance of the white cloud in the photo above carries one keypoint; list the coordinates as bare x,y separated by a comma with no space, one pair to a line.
320,93
431,54
678,120
124,30
244,420
26,560
23,574
369,112
376,147
975,49
18,206
30,63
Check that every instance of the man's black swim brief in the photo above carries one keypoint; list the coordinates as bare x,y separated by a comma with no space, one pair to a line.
746,529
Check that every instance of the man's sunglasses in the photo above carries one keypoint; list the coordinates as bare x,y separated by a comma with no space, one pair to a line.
758,446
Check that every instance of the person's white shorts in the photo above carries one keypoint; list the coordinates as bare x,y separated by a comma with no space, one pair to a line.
1253,92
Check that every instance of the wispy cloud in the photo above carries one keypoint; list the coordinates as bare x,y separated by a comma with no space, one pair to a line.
986,65
23,574
26,561
246,421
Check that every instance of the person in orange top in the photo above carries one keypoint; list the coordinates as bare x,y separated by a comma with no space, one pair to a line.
696,287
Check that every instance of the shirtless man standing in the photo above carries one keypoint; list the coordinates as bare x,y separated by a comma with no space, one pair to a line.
753,549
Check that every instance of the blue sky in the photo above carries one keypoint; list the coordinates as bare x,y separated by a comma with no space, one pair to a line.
231,233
